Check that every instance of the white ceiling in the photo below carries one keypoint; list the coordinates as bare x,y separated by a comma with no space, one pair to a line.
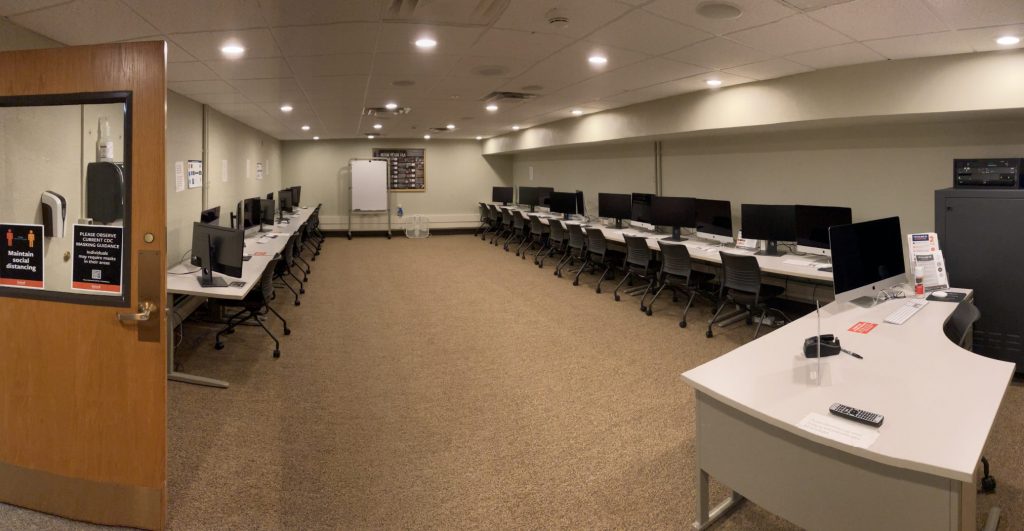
331,58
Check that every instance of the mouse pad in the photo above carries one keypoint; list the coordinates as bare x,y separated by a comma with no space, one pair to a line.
951,296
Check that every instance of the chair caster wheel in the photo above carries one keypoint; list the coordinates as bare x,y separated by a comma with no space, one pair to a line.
575,283
649,312
643,308
277,353
298,303
287,331
598,290
302,292
229,331
616,296
219,346
675,299
708,333
682,324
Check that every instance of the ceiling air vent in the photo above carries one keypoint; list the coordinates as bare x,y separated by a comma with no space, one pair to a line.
437,129
381,111
509,96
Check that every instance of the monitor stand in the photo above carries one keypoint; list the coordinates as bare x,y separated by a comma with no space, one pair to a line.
618,223
676,235
568,216
865,301
264,228
771,248
207,280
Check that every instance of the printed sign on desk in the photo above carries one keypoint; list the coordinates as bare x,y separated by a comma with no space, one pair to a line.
97,259
863,327
21,256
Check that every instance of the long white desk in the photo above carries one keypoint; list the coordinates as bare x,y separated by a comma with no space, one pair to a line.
939,403
182,279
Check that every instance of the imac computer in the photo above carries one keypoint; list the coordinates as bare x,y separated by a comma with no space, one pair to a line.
675,212
563,203
501,194
812,223
285,198
773,223
544,196
866,258
614,206
529,196
714,220
216,249
296,195
210,216
580,208
270,195
247,215
640,209
267,214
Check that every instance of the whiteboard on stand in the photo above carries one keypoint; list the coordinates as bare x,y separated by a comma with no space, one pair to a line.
369,185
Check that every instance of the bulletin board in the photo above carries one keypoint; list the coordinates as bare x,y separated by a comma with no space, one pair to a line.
406,168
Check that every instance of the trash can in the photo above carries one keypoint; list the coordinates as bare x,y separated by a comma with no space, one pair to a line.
417,227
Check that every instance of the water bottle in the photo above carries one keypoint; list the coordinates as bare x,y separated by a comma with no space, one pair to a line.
400,211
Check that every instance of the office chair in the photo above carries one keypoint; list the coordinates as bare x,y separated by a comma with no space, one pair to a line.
484,221
677,274
520,229
958,327
556,243
306,244
597,256
298,253
506,226
741,285
493,221
537,236
284,268
254,307
639,262
576,249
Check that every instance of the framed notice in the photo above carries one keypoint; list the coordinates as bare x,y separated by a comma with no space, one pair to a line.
98,255
21,256
406,168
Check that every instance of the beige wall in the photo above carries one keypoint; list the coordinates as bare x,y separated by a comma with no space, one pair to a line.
242,147
458,177
184,143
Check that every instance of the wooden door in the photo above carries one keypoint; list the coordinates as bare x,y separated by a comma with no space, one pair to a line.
83,396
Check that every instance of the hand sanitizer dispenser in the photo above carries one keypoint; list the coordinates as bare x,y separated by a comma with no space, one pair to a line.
55,214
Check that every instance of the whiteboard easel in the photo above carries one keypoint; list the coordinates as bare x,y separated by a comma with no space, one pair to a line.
368,191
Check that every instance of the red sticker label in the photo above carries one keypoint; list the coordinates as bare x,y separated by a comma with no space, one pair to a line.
863,327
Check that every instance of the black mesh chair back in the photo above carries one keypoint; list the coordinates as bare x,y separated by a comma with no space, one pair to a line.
675,260
638,254
483,213
537,227
267,281
518,221
493,215
288,253
597,244
960,322
577,238
741,273
557,232
506,217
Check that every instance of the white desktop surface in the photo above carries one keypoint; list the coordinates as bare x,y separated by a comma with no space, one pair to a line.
252,269
939,401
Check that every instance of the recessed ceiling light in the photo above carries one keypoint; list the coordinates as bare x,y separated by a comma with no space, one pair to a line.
479,138
1007,40
305,128
450,127
491,107
371,137
598,60
714,82
286,108
390,105
426,137
425,43
232,50
718,10
577,112
515,127
316,138
378,126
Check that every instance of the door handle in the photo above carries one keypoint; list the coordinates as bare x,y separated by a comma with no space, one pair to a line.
145,309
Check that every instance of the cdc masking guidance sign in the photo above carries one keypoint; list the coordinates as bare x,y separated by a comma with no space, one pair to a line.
97,259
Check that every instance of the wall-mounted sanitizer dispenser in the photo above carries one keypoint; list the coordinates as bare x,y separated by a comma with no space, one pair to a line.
55,214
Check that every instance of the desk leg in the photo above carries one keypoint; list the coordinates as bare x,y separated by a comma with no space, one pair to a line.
176,376
705,515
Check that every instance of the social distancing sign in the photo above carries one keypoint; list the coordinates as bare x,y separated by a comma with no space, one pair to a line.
21,256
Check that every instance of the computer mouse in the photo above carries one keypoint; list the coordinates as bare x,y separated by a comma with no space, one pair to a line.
939,294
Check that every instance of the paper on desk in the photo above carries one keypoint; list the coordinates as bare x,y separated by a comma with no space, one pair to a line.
798,262
838,429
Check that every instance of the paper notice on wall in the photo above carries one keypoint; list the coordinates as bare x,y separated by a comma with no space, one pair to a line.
195,173
179,176
224,170
259,171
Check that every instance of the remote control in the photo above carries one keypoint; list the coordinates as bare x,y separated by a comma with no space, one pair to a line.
859,415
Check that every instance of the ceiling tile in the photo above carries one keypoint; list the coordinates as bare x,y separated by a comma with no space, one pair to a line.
755,13
811,5
287,12
175,53
523,44
222,97
960,14
190,88
770,69
183,16
301,110
381,89
451,40
467,88
984,39
643,74
345,64
269,90
790,35
945,43
584,16
879,19
14,7
718,53
205,46
351,37
643,32
396,66
86,22
496,67
844,54
349,88
674,88
570,66
193,71
251,68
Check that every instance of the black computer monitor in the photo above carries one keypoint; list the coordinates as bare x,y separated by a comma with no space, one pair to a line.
210,216
270,195
675,212
217,249
528,195
866,257
255,215
563,203
615,206
773,223
714,219
501,194
267,214
285,198
812,223
641,208
296,195
544,196
580,208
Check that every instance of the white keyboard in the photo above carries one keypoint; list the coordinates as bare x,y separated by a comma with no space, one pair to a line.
905,312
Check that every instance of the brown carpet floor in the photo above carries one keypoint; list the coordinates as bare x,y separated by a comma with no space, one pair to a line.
443,383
